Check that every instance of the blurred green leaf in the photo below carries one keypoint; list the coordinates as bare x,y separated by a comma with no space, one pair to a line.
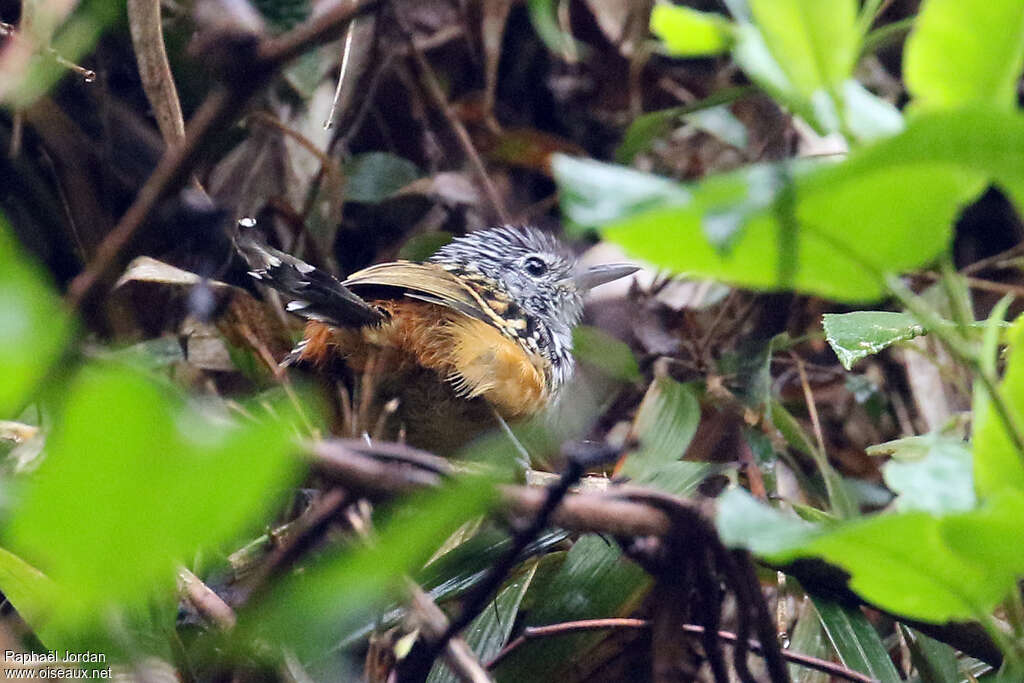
997,462
71,41
595,581
869,117
935,569
687,32
131,473
742,520
340,592
612,357
803,52
856,641
372,177
932,473
664,425
489,632
33,325
965,51
814,42
862,333
833,231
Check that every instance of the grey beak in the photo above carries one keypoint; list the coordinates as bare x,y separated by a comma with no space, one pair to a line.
602,274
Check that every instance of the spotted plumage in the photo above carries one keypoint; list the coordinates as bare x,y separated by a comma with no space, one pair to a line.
490,316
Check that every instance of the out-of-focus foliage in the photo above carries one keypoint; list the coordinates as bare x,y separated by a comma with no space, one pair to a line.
33,328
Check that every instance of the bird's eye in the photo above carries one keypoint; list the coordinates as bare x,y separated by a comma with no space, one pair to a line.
535,266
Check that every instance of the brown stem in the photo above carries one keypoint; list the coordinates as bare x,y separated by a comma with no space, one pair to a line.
533,632
221,108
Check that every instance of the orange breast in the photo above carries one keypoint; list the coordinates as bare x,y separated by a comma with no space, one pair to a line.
470,354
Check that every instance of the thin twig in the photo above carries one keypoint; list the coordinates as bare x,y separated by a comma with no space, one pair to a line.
481,594
205,600
309,527
457,654
217,112
534,632
155,70
434,90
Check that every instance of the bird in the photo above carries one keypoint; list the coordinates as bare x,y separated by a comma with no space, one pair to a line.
480,331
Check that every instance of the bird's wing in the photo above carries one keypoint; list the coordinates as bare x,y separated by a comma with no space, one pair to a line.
425,282
312,293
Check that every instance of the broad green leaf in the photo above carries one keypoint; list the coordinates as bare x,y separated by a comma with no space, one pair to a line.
610,356
965,51
342,591
33,325
375,176
595,581
997,462
932,473
935,569
803,52
744,521
815,42
687,32
833,231
664,425
856,641
490,631
863,333
132,473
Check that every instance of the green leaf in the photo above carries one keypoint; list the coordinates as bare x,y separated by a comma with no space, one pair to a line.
856,641
815,42
664,425
344,590
935,569
375,176
863,333
935,661
686,32
965,51
31,592
131,473
586,191
932,473
33,325
490,631
997,462
744,521
595,581
612,357
809,639
802,52
833,231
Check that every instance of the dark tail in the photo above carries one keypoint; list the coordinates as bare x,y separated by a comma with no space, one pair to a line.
312,293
